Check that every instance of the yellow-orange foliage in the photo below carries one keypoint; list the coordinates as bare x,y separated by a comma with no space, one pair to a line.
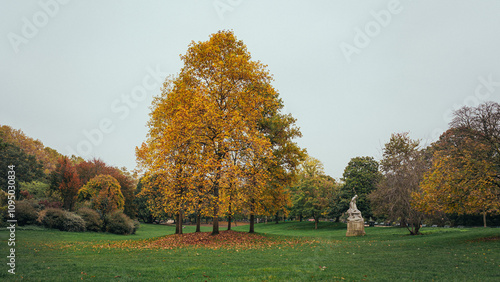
104,193
204,142
48,156
462,180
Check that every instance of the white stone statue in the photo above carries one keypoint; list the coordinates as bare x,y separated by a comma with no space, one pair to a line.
353,212
355,222
352,205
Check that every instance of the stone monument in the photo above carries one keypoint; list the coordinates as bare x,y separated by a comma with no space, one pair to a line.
355,222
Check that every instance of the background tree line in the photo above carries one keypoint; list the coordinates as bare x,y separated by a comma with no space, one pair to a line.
452,181
51,186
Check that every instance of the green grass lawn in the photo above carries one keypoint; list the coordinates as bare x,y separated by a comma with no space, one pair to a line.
383,254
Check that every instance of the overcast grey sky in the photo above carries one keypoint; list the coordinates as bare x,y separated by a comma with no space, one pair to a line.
80,75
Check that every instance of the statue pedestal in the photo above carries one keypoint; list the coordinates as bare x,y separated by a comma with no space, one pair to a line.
355,228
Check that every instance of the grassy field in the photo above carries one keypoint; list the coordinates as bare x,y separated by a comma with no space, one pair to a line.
326,254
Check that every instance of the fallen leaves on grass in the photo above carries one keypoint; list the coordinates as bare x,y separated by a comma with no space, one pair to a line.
224,240
486,239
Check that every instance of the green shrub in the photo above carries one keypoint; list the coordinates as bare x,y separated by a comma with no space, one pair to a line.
52,218
119,223
93,221
25,213
37,189
62,220
45,204
73,222
3,207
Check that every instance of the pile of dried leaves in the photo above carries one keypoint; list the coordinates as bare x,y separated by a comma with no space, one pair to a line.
227,239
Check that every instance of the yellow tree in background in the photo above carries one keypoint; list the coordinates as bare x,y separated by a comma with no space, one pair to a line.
104,194
463,179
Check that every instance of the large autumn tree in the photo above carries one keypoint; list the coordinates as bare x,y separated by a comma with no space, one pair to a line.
464,176
206,138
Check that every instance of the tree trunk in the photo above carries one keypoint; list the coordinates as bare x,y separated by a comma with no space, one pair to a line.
229,218
413,228
300,218
484,219
417,229
316,220
252,219
178,223
198,222
215,224
181,220
277,218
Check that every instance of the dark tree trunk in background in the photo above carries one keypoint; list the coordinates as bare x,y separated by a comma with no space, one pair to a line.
414,228
277,218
